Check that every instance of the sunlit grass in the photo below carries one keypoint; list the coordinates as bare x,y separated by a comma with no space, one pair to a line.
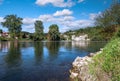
108,62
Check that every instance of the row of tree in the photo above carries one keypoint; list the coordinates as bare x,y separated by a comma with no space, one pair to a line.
14,25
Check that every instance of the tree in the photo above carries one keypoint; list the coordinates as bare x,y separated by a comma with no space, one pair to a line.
110,16
1,31
39,34
54,34
13,23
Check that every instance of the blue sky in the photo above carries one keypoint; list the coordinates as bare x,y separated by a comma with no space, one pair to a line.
68,14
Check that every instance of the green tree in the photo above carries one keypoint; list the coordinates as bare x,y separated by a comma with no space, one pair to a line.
110,16
54,34
39,34
13,23
1,31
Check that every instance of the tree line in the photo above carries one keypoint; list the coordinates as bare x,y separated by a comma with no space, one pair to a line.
107,24
14,25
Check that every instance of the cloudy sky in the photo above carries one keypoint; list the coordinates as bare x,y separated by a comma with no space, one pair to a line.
68,14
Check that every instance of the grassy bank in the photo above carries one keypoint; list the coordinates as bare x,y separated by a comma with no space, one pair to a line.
107,64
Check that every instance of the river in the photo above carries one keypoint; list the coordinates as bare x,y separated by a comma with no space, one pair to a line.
41,61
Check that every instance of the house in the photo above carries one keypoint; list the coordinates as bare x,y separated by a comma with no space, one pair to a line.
5,34
80,38
66,37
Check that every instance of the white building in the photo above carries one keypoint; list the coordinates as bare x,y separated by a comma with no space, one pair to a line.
80,38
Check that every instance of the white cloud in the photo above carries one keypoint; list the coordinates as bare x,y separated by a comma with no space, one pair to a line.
85,23
1,19
46,18
92,16
57,3
50,18
72,25
64,12
59,16
28,28
29,20
65,20
79,1
68,18
31,26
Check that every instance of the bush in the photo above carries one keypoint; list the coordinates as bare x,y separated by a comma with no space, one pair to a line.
109,60
3,39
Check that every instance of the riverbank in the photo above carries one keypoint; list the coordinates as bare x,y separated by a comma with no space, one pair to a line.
99,66
80,70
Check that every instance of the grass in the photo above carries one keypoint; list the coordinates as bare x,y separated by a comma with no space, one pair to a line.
108,62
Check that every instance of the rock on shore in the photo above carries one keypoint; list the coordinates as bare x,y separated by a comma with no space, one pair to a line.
80,70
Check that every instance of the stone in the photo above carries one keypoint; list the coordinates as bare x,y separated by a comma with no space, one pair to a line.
91,55
80,64
73,75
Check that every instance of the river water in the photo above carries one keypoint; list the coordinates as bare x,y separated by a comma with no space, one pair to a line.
41,61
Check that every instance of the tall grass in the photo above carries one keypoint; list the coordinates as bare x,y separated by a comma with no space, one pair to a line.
108,62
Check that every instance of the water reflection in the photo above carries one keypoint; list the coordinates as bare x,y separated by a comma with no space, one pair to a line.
4,46
53,47
13,62
38,49
80,44
26,44
88,46
13,56
41,61
67,45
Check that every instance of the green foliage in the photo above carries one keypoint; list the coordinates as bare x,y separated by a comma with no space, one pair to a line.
110,16
26,35
118,34
39,35
54,34
70,33
107,25
4,39
95,33
1,31
62,37
13,23
109,60
107,63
